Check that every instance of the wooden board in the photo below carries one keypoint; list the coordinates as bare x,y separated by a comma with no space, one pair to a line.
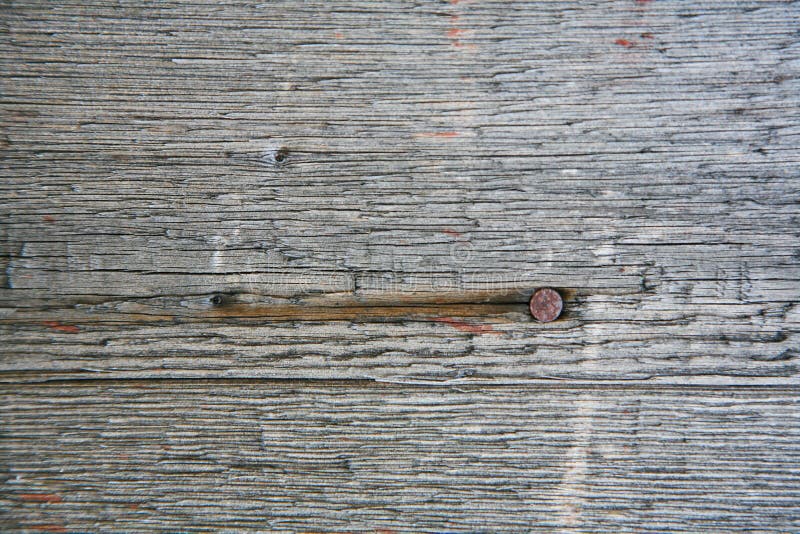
348,204
349,456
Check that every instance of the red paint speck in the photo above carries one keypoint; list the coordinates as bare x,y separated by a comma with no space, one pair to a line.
454,18
451,232
49,218
454,32
338,35
643,1
68,328
40,497
463,326
624,42
437,134
133,506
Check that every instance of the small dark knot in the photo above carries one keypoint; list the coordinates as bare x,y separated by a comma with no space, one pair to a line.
276,158
217,300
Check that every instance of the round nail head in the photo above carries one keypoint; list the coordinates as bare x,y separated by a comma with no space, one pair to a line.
546,305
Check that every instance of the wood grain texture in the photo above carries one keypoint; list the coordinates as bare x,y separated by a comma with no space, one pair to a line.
641,155
326,217
210,456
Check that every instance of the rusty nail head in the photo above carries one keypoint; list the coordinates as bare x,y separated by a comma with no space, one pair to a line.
546,305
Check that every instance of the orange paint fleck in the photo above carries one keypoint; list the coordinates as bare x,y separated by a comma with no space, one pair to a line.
133,506
40,497
338,35
454,18
48,528
463,326
451,232
454,32
624,42
437,134
385,531
68,328
49,218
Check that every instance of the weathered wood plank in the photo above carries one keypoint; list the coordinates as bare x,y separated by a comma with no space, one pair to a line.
205,456
643,155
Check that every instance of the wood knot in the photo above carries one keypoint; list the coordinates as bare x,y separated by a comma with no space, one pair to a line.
218,300
276,158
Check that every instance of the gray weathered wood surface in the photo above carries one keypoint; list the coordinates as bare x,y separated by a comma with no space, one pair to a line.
207,456
211,209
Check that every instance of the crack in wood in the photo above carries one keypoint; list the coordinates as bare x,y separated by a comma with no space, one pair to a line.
447,308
